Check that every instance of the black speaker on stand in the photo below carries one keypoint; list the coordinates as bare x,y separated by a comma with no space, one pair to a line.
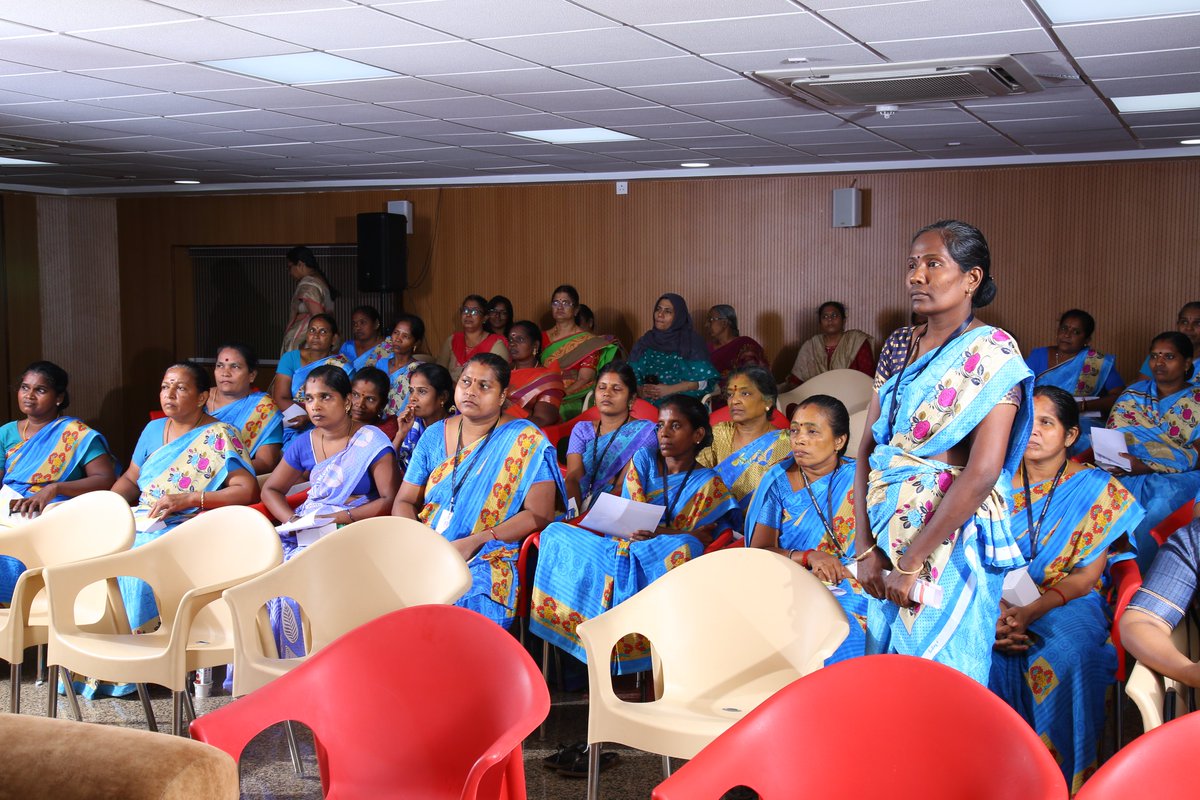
382,252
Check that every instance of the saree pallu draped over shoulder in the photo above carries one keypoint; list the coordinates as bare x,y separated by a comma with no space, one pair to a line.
256,419
944,396
569,355
50,455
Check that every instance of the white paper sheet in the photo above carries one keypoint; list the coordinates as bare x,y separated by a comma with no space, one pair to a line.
621,517
145,524
308,528
923,592
8,519
307,521
1019,588
1107,446
293,411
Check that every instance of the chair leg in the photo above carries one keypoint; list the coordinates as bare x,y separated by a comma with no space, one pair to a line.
144,695
558,668
52,694
293,748
1118,715
546,678
41,665
72,698
14,688
188,707
593,778
666,767
177,713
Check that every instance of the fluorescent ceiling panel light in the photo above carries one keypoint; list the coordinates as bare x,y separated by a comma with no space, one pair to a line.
187,183
297,68
1064,11
575,135
22,162
1157,102
1190,141
694,164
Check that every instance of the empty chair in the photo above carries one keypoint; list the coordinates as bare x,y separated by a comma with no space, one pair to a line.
876,726
344,580
726,631
91,525
850,386
1154,764
188,568
461,697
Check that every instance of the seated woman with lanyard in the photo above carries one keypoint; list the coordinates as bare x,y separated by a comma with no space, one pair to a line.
251,413
485,481
804,510
287,388
672,358
1161,422
367,345
599,452
352,471
534,393
581,575
1074,366
746,446
1053,661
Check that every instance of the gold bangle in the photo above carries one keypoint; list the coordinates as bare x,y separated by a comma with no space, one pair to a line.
865,553
202,501
904,571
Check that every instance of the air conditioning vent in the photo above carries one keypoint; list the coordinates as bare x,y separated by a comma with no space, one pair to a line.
903,84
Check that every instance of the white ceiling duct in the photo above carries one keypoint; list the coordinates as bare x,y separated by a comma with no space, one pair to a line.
903,83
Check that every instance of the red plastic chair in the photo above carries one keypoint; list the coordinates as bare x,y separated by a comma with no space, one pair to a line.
641,410
1156,764
1127,579
954,739
293,500
1179,518
461,695
722,415
524,590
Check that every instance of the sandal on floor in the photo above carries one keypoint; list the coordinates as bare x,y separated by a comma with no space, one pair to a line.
579,768
566,756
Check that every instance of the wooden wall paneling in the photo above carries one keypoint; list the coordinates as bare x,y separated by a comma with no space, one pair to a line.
22,325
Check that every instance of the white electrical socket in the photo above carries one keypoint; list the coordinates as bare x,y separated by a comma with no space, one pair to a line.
622,187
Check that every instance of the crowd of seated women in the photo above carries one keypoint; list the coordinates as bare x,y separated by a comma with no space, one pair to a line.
374,426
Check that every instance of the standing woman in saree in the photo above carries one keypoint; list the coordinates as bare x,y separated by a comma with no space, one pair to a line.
313,296
1074,366
184,463
251,413
461,346
946,428
352,471
287,388
573,351
367,345
1053,660
804,510
1161,422
581,574
534,392
485,481
672,357
598,453
748,445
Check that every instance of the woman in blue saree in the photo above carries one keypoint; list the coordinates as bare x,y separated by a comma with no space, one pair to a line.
351,468
599,452
1161,422
367,345
287,388
1075,367
946,428
804,510
581,574
1053,661
1188,323
399,362
252,414
748,445
47,456
485,481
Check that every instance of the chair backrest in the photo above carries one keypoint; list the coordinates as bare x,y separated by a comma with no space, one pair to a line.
1179,518
1127,579
953,737
850,386
858,427
461,693
742,617
91,525
348,578
1155,763
1150,690
722,415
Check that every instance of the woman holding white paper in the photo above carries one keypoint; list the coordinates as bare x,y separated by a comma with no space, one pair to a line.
581,574
352,471
1053,661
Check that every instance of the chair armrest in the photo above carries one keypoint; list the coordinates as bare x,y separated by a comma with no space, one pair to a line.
64,582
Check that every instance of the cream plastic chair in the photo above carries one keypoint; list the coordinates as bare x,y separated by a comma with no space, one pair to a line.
1149,690
727,630
91,525
858,423
850,386
363,571
188,568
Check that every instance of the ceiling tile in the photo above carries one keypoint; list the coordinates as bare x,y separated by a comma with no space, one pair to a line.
245,120
1036,110
352,113
64,132
238,139
640,12
342,135
156,126
373,143
911,116
163,104
653,115
1160,84
1030,41
277,98
583,100
748,33
475,19
436,59
930,19
221,8
193,40
175,78
707,92
514,81
417,128
338,28
61,111
1143,118
464,108
675,130
1182,131
732,139
769,127
836,55
13,68
482,139
387,90
1130,36
1133,65
67,86
1079,125
69,53
584,47
74,15
676,69
524,122
749,109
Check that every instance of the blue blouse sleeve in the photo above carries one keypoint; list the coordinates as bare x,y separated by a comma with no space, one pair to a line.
289,362
770,508
1113,383
299,454
429,452
581,436
1170,585
10,435
149,441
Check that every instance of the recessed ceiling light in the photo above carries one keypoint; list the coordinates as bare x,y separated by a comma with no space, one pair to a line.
1190,141
575,135
694,164
187,183
20,162
953,144
301,68
1062,11
1157,102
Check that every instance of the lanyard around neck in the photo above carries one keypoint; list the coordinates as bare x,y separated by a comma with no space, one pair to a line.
1035,530
455,483
959,331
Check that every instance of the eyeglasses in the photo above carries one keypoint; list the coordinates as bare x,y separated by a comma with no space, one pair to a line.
716,319
494,311
831,316
471,312
562,303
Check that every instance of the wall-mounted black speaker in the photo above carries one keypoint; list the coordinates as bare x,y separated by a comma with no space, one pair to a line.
382,252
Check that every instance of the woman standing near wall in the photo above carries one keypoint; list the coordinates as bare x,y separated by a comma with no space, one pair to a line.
313,295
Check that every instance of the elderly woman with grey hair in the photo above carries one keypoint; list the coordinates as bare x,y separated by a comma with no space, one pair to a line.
728,349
